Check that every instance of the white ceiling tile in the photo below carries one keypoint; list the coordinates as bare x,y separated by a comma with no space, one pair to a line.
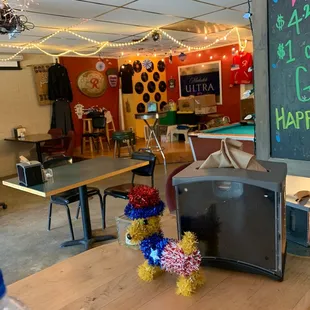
224,3
109,2
184,8
106,27
228,17
242,8
44,20
70,8
138,18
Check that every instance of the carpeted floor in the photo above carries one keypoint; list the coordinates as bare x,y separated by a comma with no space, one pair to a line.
27,247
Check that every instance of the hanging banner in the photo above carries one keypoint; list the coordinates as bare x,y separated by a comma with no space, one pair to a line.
200,84
40,74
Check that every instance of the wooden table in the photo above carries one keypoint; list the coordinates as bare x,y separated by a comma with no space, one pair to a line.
79,175
106,278
37,140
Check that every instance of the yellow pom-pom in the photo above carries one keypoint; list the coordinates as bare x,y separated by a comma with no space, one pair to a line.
147,273
186,286
188,243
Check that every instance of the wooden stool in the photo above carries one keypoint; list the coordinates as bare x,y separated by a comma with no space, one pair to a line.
123,137
87,128
110,127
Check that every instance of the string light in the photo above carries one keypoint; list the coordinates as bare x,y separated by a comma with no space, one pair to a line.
211,57
199,55
110,44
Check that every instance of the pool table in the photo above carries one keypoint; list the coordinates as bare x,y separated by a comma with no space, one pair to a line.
205,142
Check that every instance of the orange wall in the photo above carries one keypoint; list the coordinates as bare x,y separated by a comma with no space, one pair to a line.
108,100
231,96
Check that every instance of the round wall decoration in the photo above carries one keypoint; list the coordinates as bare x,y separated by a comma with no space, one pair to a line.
156,76
162,105
162,86
161,66
137,66
141,108
144,77
139,88
92,83
157,97
151,87
146,97
100,66
151,67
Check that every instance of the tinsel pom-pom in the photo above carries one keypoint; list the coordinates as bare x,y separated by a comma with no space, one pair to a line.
143,213
144,196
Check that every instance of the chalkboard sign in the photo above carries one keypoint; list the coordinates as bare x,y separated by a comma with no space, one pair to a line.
289,78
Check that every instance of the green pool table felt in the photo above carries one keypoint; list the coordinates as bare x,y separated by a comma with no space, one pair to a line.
232,130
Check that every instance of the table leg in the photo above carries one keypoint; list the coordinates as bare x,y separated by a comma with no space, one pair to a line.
160,149
88,239
39,153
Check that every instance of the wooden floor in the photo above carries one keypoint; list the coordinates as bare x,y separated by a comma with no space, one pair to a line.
105,278
175,152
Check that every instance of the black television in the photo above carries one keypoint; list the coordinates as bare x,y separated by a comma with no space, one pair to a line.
238,216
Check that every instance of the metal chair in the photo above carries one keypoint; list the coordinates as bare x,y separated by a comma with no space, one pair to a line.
99,131
122,191
70,196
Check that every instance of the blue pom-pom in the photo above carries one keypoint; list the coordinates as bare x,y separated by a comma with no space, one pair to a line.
145,212
153,247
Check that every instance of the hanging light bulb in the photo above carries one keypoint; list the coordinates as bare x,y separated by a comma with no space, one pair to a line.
138,54
206,38
224,57
211,57
122,53
199,55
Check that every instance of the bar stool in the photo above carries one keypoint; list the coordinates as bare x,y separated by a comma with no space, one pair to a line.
87,128
121,139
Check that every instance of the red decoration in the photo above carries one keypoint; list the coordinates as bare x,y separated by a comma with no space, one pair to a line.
144,196
174,260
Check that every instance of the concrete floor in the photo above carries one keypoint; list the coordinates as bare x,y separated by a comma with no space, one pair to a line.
26,246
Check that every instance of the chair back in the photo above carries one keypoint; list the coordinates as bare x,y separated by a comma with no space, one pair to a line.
146,155
57,162
69,143
99,121
55,132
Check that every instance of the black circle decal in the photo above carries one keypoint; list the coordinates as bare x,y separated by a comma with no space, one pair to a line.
144,77
146,97
162,105
157,97
156,76
151,87
139,88
162,86
137,66
161,66
140,108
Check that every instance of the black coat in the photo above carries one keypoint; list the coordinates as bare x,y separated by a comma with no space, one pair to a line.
59,86
61,116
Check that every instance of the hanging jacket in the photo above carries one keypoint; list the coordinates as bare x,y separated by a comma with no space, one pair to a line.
61,116
59,86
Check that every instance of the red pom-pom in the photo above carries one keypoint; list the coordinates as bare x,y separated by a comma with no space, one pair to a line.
144,196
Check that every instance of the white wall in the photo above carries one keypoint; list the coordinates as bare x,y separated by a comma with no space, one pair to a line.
19,106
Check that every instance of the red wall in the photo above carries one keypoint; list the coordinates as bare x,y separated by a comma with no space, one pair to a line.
231,96
109,100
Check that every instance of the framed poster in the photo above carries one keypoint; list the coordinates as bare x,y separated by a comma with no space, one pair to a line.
201,79
40,73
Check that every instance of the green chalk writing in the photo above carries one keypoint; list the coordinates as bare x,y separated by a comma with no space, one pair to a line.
301,95
294,21
287,119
